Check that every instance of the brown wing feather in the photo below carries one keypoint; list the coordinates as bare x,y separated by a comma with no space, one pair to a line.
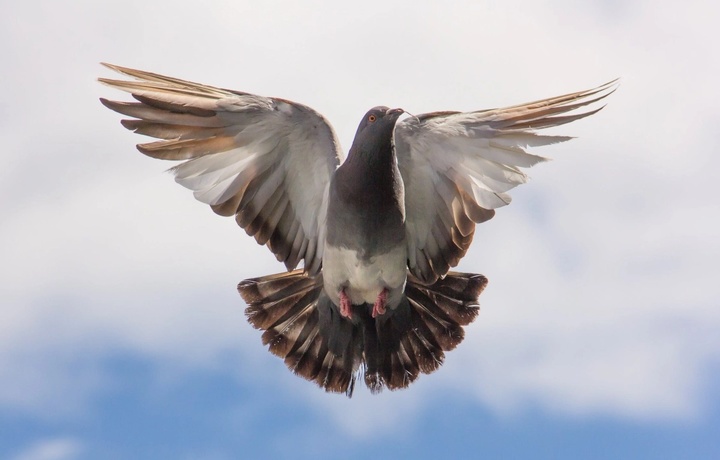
457,168
232,143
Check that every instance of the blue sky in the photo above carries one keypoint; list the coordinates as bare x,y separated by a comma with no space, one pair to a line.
122,334
193,420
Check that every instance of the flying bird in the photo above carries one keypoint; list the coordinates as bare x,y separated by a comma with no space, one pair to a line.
377,233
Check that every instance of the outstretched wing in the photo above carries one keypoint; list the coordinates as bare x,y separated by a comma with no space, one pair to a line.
457,168
267,161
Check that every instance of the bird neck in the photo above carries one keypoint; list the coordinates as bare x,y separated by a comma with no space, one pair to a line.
376,153
376,168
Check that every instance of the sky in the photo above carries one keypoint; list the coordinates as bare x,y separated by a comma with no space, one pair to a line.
121,331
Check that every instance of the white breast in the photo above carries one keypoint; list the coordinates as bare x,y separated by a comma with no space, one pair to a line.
364,279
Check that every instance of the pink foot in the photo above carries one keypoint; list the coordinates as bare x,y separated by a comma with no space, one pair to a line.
379,307
345,305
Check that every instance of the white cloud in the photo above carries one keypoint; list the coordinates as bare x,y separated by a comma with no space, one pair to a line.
602,271
51,449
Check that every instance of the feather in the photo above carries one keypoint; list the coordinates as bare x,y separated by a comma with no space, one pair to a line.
226,140
305,329
481,153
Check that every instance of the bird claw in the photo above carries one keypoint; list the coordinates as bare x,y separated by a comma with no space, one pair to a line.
379,306
345,305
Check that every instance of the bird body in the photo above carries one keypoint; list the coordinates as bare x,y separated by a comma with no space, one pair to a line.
365,251
377,233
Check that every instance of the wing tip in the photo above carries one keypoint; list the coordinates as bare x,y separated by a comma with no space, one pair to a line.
120,69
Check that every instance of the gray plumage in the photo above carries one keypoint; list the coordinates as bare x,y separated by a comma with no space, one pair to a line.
377,233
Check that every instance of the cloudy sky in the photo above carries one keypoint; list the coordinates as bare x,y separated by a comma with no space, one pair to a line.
122,335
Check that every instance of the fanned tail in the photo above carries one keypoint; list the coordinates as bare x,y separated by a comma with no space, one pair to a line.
427,323
306,330
289,307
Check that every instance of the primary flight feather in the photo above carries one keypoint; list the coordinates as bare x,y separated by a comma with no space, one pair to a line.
377,233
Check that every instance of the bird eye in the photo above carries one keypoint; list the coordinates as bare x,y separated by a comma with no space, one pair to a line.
372,118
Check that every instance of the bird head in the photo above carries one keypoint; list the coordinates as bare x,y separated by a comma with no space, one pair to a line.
376,127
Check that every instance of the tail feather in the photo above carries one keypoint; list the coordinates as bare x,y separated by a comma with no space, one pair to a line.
400,369
455,296
289,308
435,326
304,328
427,350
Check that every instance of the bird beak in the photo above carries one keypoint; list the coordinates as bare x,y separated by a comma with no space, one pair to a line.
400,111
397,112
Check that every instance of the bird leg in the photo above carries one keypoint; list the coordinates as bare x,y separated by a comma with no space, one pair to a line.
379,307
345,305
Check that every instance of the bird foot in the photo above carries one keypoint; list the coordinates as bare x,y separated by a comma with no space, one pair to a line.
345,305
379,306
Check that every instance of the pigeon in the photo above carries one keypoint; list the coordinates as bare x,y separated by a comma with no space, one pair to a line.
377,234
